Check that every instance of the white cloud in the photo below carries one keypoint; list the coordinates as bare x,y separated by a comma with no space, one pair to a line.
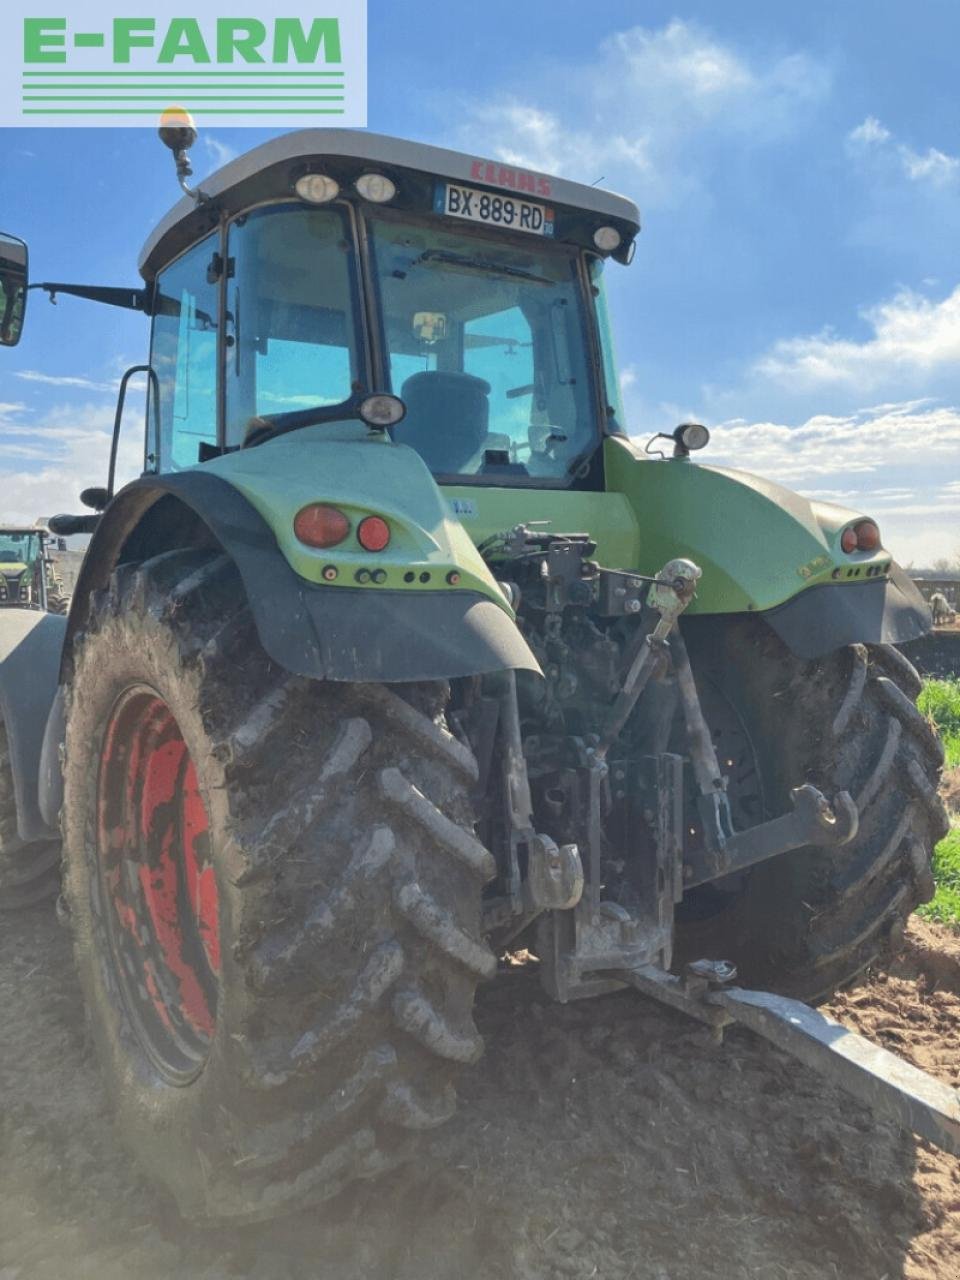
912,336
63,380
45,460
639,106
219,152
870,133
885,442
932,166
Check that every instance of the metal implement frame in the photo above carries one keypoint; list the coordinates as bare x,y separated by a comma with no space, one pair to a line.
890,1086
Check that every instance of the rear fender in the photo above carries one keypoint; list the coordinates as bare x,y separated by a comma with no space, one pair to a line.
30,649
765,549
414,626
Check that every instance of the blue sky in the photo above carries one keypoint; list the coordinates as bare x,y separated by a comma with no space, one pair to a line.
797,281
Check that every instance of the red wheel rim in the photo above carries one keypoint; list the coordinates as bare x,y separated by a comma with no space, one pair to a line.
159,886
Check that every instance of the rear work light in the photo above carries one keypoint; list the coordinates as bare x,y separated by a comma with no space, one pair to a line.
317,188
376,187
373,533
606,239
862,536
318,525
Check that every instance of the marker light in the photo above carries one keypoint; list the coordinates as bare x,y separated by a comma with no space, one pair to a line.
318,525
317,188
606,239
381,410
373,533
376,187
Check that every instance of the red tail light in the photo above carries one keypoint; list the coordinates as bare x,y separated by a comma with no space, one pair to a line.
868,535
862,536
373,533
320,526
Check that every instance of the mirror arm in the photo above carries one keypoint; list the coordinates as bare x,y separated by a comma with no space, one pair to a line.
131,299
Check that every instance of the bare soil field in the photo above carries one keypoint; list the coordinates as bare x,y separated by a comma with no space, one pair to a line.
610,1139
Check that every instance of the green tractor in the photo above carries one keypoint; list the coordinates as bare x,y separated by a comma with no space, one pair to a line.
402,655
29,588
28,577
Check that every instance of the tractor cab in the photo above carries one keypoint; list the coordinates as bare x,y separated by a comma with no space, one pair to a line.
326,266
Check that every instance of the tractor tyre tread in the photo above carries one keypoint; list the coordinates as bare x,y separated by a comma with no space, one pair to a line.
811,921
353,947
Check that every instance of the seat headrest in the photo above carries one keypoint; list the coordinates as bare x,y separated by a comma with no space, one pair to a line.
447,417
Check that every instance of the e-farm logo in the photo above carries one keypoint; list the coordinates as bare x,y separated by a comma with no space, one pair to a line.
101,66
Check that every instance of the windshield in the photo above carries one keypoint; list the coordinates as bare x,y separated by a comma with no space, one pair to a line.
487,347
18,549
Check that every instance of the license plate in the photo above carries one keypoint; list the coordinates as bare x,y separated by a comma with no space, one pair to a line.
509,212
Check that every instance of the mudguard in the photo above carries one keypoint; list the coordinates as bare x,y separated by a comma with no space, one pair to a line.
343,632
30,648
888,610
767,550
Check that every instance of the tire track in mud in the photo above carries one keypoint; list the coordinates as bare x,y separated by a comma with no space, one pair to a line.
609,1139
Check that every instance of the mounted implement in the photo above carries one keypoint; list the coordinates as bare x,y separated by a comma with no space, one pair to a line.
400,654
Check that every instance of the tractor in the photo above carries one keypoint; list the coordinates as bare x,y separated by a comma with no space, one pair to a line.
28,577
402,655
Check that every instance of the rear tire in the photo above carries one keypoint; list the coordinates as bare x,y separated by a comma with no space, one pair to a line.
29,873
349,885
808,922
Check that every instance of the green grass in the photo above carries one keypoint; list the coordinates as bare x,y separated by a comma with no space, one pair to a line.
940,700
945,906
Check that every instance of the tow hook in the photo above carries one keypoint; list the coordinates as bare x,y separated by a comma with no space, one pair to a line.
813,821
554,879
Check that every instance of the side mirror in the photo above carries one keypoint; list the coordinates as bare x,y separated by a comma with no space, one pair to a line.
13,289
96,498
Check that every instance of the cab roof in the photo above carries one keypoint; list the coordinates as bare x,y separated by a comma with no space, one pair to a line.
270,170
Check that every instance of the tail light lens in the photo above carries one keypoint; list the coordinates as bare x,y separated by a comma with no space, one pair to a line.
862,536
373,533
868,535
320,526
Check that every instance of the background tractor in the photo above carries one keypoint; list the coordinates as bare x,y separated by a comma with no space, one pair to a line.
28,581
28,573
402,654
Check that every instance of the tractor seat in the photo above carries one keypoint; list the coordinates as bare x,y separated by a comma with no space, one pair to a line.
446,420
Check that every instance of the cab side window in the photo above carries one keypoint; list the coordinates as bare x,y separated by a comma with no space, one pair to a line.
184,357
290,316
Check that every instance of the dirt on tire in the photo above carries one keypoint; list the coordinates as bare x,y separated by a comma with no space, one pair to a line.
607,1139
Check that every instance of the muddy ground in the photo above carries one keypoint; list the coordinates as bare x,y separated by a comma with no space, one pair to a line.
610,1139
